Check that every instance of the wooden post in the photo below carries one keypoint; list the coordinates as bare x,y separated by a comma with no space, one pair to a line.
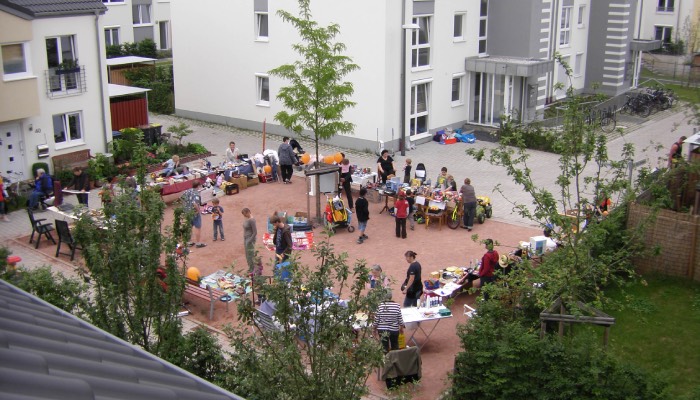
606,334
543,329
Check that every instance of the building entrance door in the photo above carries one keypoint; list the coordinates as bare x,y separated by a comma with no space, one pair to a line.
11,156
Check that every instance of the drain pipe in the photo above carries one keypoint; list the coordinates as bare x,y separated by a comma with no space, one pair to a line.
98,36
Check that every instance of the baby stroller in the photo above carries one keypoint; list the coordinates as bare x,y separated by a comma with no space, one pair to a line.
337,216
296,146
421,173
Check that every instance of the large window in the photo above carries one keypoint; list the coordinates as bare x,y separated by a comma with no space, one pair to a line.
565,26
15,61
581,15
111,36
164,34
665,6
263,89
67,130
60,54
261,26
457,84
141,14
420,94
420,43
458,30
483,25
663,33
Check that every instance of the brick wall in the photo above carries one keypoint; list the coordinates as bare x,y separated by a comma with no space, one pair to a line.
676,235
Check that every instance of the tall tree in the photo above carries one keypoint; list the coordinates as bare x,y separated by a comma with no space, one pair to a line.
317,96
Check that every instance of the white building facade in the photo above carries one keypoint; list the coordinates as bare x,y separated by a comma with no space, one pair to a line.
131,21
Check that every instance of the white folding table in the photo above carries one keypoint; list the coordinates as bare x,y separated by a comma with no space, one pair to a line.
419,315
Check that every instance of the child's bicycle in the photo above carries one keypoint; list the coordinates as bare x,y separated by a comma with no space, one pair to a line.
454,217
483,211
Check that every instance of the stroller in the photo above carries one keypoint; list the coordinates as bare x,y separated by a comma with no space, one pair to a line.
421,173
296,146
337,216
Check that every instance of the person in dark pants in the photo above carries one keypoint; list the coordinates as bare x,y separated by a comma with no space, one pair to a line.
282,239
43,186
346,180
81,181
388,322
385,165
362,215
287,159
469,202
413,285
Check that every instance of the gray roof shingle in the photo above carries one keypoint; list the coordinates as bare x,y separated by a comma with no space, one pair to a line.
47,8
46,353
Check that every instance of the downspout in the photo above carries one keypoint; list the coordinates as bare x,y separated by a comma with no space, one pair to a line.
98,35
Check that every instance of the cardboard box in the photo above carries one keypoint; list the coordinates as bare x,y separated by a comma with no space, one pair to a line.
538,244
241,181
301,217
252,182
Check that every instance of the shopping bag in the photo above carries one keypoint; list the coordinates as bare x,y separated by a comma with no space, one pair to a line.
402,341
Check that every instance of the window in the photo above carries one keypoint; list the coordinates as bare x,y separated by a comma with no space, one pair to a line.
483,25
67,130
665,6
457,97
581,14
112,1
663,33
164,34
15,61
578,64
420,43
60,51
263,89
261,25
141,14
111,36
565,26
419,109
458,31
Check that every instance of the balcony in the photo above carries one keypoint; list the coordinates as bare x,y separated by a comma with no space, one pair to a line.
65,82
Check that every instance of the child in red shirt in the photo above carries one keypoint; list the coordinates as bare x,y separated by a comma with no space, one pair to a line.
401,213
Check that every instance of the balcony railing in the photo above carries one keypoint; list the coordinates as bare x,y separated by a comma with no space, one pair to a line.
65,82
665,9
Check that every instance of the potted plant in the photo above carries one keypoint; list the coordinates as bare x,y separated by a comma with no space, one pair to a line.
68,67
100,168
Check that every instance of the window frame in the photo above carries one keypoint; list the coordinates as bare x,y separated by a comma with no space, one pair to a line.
258,25
415,115
418,47
460,89
565,26
259,89
118,31
580,21
578,65
664,7
26,57
140,14
483,21
63,83
166,24
665,39
460,16
65,120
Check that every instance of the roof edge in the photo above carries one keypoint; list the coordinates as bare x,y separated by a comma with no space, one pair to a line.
17,11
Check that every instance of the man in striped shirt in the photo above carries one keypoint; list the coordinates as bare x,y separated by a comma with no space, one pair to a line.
388,322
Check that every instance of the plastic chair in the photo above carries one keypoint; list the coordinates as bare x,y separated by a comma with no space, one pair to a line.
64,236
38,226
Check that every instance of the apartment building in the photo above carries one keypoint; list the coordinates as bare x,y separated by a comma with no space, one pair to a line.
425,64
131,21
666,20
53,91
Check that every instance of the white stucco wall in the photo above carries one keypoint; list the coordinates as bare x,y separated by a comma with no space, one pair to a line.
119,15
676,19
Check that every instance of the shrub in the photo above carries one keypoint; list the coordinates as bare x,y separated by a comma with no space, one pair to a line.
196,148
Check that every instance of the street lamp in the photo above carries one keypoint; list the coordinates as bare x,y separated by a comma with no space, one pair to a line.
404,28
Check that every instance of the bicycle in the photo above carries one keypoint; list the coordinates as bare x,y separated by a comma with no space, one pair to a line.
455,217
14,195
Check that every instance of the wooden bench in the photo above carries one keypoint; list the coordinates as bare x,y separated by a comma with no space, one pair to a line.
67,161
209,294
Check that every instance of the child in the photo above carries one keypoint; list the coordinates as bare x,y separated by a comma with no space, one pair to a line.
216,215
362,210
250,233
411,201
401,212
407,171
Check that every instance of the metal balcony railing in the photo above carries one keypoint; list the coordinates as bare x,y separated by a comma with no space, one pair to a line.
65,82
665,9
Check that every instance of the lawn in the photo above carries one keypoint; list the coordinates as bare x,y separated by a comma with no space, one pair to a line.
659,330
685,93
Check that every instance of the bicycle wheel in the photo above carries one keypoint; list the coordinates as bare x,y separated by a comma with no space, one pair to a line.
644,111
453,219
608,124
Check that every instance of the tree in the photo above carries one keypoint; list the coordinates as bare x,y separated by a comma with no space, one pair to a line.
125,259
316,354
179,132
317,97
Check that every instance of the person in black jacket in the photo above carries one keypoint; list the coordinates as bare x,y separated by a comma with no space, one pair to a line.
362,210
81,181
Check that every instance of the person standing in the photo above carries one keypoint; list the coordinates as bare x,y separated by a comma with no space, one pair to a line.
385,165
411,208
192,204
81,182
346,180
413,285
401,213
488,265
232,154
217,215
407,171
287,159
3,205
282,239
362,210
250,234
388,322
441,180
469,203
676,153
377,278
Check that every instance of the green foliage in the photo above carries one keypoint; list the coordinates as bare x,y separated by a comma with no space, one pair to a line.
507,360
144,48
200,353
41,165
114,50
315,355
100,168
123,262
160,80
125,146
64,176
196,148
179,132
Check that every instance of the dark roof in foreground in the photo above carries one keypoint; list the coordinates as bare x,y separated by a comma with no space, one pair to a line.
49,8
46,353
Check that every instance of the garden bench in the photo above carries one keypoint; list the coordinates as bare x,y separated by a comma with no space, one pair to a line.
208,294
70,160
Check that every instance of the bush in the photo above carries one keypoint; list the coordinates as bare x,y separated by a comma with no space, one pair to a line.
196,148
160,81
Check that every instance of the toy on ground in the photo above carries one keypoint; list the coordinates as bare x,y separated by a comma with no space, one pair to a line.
337,216
483,208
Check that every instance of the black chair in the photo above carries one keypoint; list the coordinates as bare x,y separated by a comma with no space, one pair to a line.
64,236
40,227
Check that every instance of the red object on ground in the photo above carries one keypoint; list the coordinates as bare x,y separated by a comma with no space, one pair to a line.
13,259
451,141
